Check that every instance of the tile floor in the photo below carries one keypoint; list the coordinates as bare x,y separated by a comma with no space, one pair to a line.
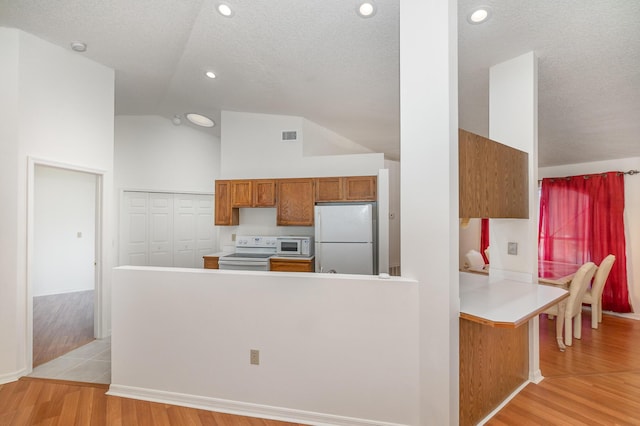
88,363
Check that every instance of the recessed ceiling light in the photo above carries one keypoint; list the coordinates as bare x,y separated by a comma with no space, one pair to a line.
479,15
366,9
200,120
225,10
210,74
78,46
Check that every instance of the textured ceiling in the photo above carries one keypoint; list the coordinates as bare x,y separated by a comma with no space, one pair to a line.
319,60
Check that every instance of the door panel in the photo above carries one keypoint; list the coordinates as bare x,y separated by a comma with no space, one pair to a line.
160,226
134,240
184,230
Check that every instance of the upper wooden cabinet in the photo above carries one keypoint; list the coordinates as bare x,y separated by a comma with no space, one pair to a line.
350,188
225,214
241,193
264,193
253,193
295,202
494,178
360,188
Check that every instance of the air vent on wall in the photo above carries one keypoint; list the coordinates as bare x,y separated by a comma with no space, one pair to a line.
289,135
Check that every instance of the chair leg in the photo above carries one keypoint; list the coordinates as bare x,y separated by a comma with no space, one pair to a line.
594,314
568,335
577,326
600,310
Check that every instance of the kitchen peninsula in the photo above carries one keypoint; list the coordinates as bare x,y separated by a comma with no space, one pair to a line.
494,339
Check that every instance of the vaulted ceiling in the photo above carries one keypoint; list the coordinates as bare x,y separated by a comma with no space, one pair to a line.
318,59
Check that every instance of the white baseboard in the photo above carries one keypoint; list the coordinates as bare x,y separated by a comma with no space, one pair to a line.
240,408
12,377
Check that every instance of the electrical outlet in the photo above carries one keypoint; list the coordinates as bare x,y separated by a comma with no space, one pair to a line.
233,237
254,357
512,249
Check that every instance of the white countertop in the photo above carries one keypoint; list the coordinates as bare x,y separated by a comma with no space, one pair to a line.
292,257
218,254
504,303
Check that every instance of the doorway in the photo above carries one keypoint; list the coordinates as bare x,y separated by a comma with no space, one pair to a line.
62,264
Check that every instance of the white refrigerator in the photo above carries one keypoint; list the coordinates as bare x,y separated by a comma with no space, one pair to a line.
345,238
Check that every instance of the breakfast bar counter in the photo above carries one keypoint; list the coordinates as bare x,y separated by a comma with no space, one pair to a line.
494,339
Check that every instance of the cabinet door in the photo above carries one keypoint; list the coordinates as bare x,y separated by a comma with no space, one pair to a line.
292,265
241,193
360,188
264,193
225,213
295,202
211,262
329,189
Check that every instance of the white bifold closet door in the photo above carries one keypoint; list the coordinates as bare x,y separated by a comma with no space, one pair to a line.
163,229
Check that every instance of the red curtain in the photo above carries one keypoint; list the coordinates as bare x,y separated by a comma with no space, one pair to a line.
484,238
581,220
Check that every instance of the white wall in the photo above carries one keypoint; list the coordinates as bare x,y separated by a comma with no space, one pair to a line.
58,107
151,153
513,121
394,211
318,140
252,148
631,214
64,205
429,182
332,351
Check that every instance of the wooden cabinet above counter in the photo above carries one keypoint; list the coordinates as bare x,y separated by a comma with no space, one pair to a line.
494,178
293,198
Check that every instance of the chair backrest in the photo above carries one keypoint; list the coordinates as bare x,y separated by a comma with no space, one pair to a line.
474,259
600,279
578,288
486,253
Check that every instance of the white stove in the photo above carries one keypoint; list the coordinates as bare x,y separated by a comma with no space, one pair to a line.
252,254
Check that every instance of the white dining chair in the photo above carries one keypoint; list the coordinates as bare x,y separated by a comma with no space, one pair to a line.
572,307
473,259
593,295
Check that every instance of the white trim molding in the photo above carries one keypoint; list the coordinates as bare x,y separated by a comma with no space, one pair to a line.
241,408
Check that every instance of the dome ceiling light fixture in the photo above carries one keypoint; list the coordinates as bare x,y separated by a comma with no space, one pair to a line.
366,9
479,15
78,46
200,120
224,10
210,74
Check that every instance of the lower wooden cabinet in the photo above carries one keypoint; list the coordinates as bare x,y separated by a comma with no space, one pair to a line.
293,265
211,262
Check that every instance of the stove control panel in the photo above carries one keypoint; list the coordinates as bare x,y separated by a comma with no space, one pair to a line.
250,241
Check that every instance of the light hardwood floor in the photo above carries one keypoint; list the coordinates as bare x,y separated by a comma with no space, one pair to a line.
61,323
595,382
31,401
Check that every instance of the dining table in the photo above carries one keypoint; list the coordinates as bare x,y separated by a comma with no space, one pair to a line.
551,273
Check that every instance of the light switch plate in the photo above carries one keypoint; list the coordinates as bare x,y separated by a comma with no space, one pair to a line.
512,249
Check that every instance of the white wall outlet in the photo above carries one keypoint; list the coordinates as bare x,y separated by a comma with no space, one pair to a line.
512,249
254,357
233,237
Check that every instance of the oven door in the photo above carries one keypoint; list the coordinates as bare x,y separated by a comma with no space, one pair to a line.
243,264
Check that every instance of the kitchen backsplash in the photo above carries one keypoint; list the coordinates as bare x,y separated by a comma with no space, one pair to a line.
257,221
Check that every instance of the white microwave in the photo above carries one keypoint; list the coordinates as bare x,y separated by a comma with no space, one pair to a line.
294,246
